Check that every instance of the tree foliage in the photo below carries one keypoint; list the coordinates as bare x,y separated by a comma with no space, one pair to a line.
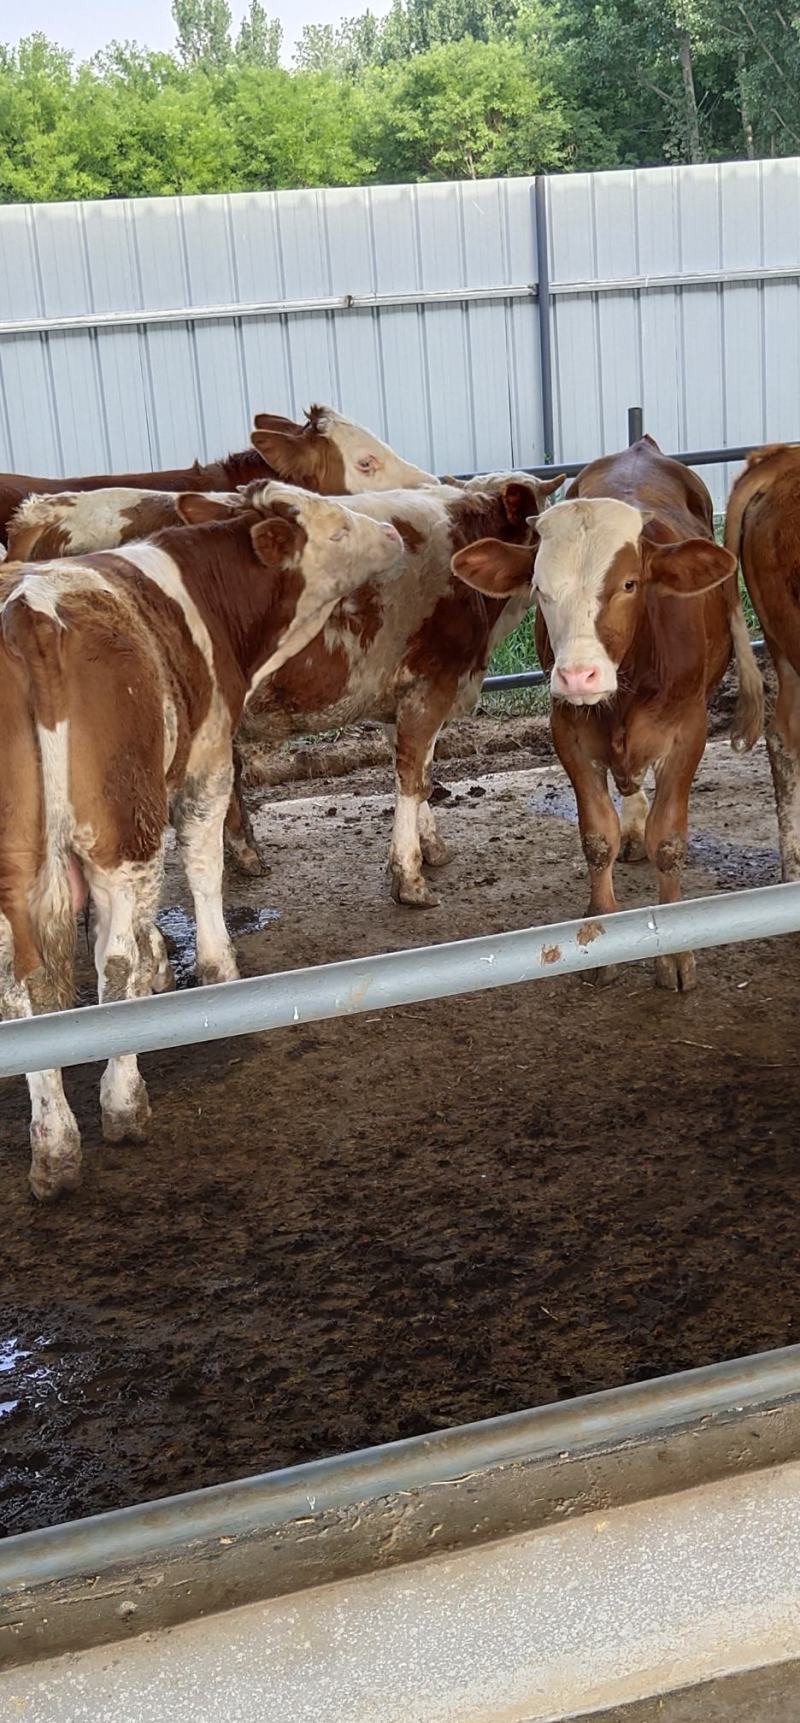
434,89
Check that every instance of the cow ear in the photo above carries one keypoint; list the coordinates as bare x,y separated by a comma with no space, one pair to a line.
689,569
275,539
294,457
519,501
547,487
495,568
196,509
276,422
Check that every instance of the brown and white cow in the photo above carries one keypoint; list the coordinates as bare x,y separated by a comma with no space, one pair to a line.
122,678
637,614
329,454
762,529
410,654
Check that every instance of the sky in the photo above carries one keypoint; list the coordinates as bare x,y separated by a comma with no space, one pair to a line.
86,25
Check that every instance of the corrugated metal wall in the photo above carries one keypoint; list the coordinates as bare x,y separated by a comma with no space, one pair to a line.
455,385
713,365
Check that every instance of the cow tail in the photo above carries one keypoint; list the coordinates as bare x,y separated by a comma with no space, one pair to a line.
33,631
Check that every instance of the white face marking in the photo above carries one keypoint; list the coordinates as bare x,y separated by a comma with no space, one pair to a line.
344,549
369,464
579,541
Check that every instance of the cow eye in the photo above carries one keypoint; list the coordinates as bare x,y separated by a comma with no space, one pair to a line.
366,463
341,532
630,586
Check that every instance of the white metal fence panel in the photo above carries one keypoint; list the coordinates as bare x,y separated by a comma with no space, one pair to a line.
702,328
142,333
452,381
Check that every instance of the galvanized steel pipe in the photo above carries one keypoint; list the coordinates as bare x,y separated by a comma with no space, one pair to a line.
394,978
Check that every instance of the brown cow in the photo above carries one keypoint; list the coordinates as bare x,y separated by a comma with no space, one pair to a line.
329,454
637,613
411,654
763,529
122,678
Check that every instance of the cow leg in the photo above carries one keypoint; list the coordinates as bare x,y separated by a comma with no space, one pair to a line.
125,899
783,745
199,819
635,810
597,817
434,848
240,843
54,1135
667,836
419,721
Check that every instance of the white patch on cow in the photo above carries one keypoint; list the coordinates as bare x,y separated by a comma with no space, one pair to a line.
369,464
164,572
344,550
51,896
578,543
406,852
199,820
100,519
170,732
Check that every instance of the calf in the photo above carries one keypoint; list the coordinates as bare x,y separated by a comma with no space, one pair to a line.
328,454
763,529
637,614
411,654
122,677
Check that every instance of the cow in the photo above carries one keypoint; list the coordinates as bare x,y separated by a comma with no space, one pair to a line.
122,678
328,453
762,529
637,614
410,654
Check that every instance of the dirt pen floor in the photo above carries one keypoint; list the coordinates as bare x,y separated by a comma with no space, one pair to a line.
357,1231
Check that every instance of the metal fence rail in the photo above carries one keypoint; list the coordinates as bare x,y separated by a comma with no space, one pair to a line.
394,978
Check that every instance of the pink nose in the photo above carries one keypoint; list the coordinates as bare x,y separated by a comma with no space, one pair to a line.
581,679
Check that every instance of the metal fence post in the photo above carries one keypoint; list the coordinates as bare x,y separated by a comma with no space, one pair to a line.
543,302
635,424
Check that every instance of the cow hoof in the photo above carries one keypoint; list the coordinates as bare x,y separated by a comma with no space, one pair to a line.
633,850
434,852
164,979
605,976
677,974
415,893
248,861
215,974
55,1173
132,1124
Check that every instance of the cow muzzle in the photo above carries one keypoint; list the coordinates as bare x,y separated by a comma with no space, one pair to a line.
582,684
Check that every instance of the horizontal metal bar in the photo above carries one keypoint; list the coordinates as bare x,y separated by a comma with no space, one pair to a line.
95,320
90,320
693,278
394,978
250,1505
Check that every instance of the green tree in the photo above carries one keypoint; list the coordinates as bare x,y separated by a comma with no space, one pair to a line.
462,110
259,40
204,32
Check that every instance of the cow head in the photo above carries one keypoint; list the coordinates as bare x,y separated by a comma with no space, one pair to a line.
334,550
333,455
589,569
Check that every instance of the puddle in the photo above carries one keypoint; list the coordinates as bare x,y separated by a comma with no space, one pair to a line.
33,1381
178,929
10,1355
555,800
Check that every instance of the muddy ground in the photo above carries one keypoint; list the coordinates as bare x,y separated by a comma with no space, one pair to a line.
353,1232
